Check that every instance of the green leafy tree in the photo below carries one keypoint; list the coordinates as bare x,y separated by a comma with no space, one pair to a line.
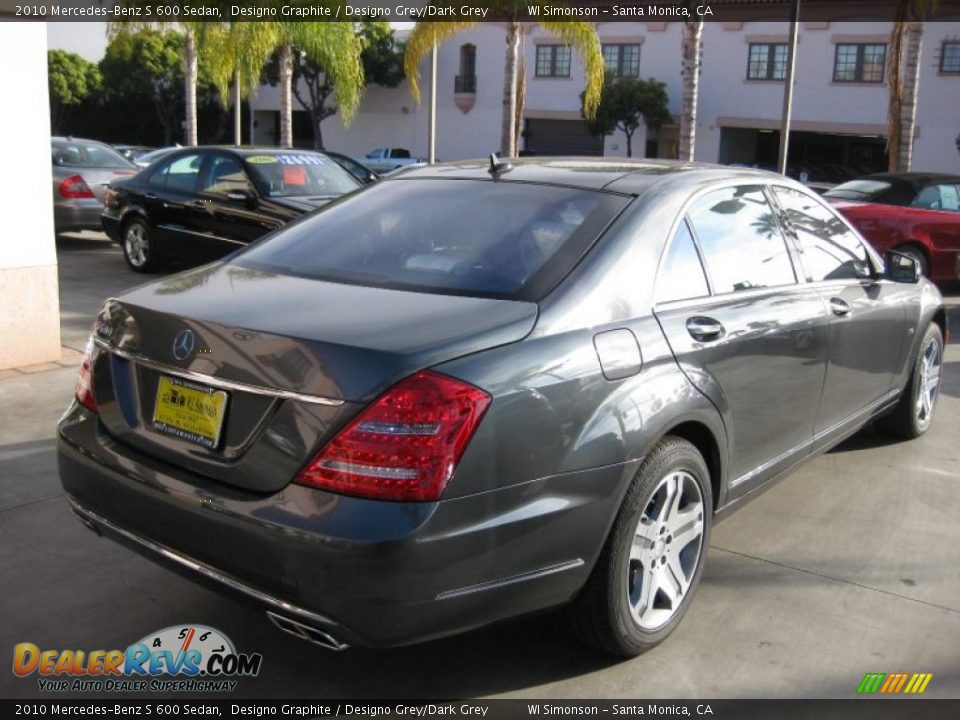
626,103
581,36
72,79
313,87
146,67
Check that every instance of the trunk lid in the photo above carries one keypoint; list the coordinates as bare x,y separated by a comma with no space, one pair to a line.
297,359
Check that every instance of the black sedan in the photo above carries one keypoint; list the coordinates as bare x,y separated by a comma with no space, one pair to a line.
199,204
465,394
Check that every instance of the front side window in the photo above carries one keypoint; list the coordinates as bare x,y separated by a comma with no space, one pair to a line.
179,174
681,275
225,174
739,235
461,237
950,57
553,61
859,62
622,60
767,61
830,251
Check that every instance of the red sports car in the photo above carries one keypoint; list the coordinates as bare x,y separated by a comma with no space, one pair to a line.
917,214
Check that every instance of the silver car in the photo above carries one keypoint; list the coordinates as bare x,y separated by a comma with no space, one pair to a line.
82,169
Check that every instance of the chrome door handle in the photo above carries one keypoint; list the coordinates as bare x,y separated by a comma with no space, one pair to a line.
839,307
705,329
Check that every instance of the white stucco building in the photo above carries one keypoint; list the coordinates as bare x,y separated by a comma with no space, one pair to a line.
840,102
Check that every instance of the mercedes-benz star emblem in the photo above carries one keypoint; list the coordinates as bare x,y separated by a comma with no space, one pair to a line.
183,344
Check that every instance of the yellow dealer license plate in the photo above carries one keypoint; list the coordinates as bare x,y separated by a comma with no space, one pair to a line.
189,411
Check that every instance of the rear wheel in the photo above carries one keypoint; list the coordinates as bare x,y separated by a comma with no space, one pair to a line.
917,255
138,247
914,413
652,561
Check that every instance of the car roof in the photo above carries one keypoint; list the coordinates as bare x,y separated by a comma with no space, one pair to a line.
625,175
913,178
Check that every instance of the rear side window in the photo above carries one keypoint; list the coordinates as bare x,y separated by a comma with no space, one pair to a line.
681,275
466,237
829,250
179,174
741,241
938,197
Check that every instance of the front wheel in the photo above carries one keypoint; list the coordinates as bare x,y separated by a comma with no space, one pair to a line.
652,562
913,415
138,248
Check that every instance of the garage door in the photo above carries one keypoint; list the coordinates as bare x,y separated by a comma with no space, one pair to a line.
561,137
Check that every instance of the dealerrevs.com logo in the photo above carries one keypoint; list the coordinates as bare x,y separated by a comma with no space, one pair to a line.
202,659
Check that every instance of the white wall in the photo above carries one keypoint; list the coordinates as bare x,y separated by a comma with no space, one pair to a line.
30,322
938,113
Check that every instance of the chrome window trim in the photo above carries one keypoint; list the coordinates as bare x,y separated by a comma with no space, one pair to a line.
215,381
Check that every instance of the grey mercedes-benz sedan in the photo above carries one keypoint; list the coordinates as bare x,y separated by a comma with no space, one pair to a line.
480,390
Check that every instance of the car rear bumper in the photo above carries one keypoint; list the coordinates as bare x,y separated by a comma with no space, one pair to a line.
365,572
111,226
77,214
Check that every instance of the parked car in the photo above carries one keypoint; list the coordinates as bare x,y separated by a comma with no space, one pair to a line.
383,160
434,405
198,204
148,158
917,214
81,171
132,152
360,171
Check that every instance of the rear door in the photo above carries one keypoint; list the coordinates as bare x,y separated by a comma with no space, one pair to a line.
169,201
756,345
867,314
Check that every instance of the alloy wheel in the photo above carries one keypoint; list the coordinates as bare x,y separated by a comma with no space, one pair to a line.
666,550
928,382
136,244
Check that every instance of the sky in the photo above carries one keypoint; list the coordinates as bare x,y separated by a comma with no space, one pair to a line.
89,39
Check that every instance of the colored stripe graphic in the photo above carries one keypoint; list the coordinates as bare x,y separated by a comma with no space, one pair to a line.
894,683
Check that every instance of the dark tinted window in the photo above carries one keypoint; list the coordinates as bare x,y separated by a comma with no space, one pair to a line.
463,237
224,174
741,241
681,275
830,251
179,174
299,174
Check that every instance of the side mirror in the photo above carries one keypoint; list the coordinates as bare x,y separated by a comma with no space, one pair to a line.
900,268
247,197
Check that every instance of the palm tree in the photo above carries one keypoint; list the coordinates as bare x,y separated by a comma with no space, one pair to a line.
195,34
903,79
334,46
582,36
235,55
691,60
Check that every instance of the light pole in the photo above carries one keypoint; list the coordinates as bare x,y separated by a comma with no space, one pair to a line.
788,89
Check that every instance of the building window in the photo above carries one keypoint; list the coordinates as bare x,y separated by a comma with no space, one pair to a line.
622,60
859,62
553,61
767,61
466,81
950,57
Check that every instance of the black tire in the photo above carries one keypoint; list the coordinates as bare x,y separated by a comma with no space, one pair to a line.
138,246
601,614
913,416
917,255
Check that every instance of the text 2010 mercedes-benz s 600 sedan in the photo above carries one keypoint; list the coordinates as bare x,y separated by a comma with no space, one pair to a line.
472,392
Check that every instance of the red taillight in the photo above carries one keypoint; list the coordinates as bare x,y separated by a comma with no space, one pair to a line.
75,187
406,445
85,379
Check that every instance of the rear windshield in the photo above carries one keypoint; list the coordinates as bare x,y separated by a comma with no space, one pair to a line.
876,191
86,155
463,237
299,175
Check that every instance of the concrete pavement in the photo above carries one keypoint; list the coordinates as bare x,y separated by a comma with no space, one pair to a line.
849,566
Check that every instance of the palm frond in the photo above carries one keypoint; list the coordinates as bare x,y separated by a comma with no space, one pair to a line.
582,37
424,37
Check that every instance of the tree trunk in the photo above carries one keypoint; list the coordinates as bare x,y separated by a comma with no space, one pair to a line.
318,131
190,87
521,100
286,101
237,111
629,143
903,96
508,147
690,69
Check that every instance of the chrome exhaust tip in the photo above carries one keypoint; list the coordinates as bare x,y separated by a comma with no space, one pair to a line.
306,632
